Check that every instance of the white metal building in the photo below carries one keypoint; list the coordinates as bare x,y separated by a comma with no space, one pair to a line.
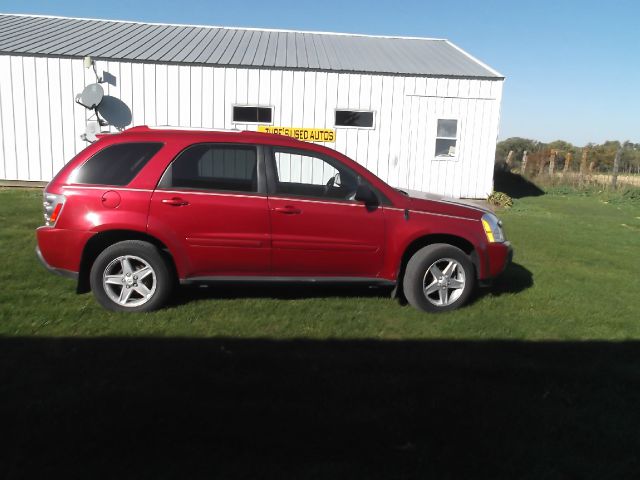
420,113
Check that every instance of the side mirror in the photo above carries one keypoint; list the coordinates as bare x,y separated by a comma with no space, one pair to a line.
365,194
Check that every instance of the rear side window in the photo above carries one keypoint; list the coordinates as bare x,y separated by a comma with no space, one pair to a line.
213,167
116,164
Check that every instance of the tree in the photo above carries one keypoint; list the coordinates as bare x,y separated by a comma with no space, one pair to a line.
518,145
602,155
563,149
630,160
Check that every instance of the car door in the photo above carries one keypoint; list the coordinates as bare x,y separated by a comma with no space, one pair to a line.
211,201
317,228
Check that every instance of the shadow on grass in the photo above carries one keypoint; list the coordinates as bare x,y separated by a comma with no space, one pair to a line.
514,185
282,291
230,408
515,279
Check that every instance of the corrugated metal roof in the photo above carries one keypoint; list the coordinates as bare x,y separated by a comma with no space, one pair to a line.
120,40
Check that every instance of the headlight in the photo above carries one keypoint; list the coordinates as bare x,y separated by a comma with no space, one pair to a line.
492,228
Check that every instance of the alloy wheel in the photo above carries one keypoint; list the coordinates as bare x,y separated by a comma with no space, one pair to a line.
129,281
444,282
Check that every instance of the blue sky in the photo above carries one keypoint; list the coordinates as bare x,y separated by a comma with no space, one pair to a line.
572,67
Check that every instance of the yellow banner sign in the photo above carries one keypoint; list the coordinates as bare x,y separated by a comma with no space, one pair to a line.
305,134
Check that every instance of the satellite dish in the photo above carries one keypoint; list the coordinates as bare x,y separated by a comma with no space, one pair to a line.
115,112
91,96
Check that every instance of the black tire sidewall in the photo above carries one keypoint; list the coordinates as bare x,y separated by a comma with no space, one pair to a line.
147,252
417,267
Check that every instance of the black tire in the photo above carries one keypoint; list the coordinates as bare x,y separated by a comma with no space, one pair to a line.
158,283
416,274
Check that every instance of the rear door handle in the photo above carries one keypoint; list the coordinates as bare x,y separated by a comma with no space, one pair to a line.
288,210
175,202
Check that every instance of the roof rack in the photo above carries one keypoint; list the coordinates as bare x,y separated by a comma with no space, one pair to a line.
173,127
147,128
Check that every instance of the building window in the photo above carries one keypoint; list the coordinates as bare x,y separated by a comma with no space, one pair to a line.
213,167
354,118
252,114
446,138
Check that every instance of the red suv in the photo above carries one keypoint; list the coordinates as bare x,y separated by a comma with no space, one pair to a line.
137,211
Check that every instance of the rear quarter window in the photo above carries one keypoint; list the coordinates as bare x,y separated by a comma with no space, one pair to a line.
116,164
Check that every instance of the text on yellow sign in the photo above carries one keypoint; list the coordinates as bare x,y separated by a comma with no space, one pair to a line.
305,134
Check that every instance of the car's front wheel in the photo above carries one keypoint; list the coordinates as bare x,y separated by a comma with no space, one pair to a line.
131,276
438,278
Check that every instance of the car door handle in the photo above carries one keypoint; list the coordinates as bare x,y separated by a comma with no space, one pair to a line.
175,202
288,210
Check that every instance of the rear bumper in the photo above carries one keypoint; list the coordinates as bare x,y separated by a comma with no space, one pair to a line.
58,271
60,250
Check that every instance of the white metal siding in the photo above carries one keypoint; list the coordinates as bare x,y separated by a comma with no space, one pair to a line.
40,123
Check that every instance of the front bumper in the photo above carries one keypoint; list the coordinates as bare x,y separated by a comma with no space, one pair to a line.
509,258
500,256
58,271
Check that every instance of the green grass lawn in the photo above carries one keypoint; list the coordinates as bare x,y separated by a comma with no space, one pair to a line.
539,378
576,277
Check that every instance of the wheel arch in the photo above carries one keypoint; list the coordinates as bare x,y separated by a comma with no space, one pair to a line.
98,242
457,241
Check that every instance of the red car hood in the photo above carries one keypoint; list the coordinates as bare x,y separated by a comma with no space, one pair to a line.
422,201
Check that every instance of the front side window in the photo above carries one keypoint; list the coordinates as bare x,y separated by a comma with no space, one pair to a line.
213,167
354,118
116,164
446,138
252,114
304,174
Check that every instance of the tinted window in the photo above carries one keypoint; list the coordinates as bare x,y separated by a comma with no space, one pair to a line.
304,174
213,167
116,164
350,118
252,114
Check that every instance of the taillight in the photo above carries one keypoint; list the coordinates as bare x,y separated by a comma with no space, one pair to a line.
52,207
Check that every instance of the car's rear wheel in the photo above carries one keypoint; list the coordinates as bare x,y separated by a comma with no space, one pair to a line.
131,276
438,278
